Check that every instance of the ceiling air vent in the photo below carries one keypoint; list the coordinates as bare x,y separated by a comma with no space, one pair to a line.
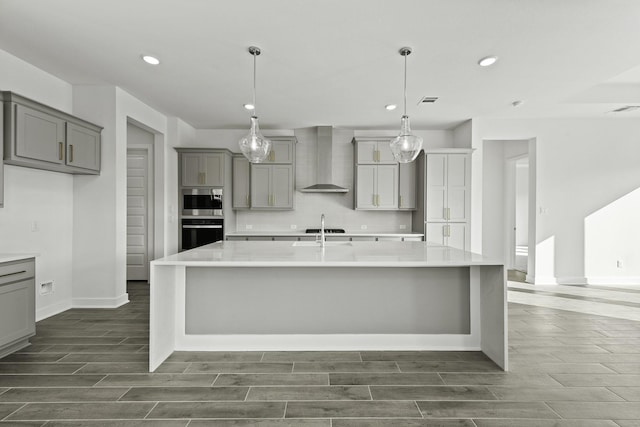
626,109
428,100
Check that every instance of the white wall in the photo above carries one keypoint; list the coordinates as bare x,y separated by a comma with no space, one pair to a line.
99,256
338,208
39,196
496,217
587,177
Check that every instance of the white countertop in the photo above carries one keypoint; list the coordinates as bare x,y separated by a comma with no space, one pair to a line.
352,254
249,233
15,257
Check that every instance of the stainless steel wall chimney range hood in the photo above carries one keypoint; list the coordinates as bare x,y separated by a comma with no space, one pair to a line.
324,164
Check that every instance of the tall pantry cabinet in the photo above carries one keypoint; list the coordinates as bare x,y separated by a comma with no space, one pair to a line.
444,192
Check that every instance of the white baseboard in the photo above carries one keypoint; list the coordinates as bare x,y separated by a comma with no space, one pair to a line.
52,309
612,281
594,280
572,280
100,302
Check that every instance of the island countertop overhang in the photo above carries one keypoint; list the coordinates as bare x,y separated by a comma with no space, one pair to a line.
353,254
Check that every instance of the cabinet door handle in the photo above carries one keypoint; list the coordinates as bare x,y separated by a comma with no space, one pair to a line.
448,213
247,200
70,153
400,201
60,150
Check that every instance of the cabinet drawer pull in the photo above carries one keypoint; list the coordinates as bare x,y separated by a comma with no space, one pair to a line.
60,150
13,274
71,153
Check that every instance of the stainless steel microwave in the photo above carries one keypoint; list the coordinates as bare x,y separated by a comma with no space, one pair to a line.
202,201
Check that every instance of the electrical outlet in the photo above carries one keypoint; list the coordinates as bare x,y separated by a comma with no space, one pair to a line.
363,227
46,288
294,227
403,227
619,263
248,227
35,226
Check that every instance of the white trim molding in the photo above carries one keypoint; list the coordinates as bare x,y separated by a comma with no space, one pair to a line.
52,310
100,302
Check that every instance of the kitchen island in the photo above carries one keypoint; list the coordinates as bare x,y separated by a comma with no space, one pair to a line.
280,296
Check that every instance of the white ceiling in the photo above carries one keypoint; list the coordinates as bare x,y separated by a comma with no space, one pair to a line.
336,62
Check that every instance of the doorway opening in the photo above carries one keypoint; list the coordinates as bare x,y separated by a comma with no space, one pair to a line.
140,202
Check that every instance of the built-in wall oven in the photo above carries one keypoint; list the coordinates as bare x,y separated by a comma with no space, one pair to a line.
197,232
202,219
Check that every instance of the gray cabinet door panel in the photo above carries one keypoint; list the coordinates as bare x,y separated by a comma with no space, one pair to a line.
39,136
261,186
83,147
241,184
282,186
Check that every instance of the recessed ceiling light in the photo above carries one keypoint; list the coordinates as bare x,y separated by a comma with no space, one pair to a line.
150,59
390,107
249,106
487,60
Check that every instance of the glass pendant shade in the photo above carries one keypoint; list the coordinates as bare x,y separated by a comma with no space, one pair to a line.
254,146
406,147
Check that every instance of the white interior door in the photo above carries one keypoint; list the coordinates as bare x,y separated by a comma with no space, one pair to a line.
137,214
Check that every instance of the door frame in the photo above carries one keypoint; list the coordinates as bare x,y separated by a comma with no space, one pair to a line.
148,151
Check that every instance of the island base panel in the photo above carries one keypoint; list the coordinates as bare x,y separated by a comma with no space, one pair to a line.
327,301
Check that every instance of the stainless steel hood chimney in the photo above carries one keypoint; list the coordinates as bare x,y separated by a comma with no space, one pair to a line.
324,164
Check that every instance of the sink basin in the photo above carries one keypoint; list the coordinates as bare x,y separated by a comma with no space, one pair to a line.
318,244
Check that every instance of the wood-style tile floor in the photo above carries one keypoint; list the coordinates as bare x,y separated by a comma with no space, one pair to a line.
89,367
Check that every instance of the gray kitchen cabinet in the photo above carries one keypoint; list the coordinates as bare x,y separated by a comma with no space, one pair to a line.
272,186
83,147
202,169
374,151
241,182
453,234
17,304
407,186
282,150
377,187
448,187
272,182
1,157
41,137
444,193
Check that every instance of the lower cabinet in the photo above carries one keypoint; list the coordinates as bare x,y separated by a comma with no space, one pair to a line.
17,305
452,234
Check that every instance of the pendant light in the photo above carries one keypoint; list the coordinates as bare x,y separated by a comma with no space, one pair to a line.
405,147
253,145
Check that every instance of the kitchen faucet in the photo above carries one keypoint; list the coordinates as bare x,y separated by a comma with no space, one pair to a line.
322,236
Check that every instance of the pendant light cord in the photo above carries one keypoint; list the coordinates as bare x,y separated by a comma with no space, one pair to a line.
255,108
405,85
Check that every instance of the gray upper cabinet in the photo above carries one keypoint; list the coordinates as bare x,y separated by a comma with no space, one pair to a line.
408,191
1,159
272,186
241,182
271,183
282,151
381,183
202,169
83,147
41,137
